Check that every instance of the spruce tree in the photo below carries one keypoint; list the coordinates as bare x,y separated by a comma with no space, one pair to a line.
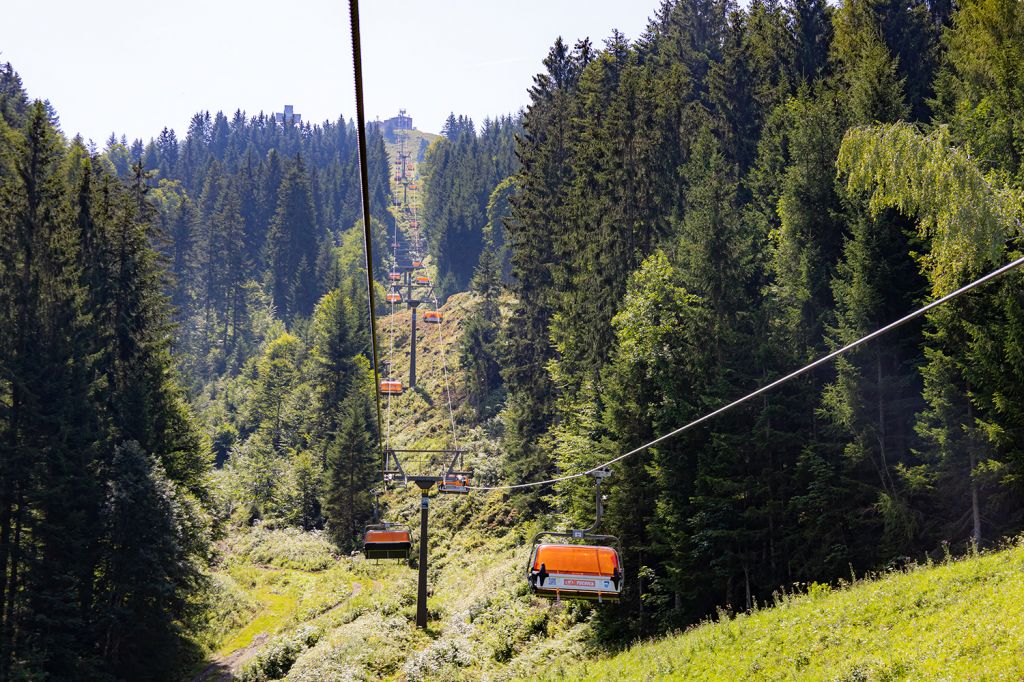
147,587
811,26
478,351
352,464
544,155
14,102
293,244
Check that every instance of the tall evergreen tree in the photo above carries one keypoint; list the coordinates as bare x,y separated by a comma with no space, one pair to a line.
544,154
352,463
292,244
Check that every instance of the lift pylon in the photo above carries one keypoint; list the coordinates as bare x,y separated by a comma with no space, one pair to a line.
393,470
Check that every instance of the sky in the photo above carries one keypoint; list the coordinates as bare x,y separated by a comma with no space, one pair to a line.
135,66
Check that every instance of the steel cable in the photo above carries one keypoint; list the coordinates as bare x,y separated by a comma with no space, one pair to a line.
778,382
364,187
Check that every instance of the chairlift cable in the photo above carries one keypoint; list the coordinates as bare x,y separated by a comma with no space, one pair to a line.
364,186
444,366
391,369
778,382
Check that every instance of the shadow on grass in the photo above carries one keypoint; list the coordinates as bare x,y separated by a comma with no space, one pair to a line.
217,671
422,393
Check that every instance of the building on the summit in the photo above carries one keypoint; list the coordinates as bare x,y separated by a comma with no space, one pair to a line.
395,123
288,115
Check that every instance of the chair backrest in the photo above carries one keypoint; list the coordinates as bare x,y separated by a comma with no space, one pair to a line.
577,559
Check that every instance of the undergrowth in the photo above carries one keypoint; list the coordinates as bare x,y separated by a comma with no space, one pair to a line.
281,548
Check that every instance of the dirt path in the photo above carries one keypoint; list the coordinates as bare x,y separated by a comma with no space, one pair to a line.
225,668
357,587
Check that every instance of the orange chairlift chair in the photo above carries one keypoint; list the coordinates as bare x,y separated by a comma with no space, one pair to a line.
454,484
584,570
386,540
391,387
393,297
432,316
422,279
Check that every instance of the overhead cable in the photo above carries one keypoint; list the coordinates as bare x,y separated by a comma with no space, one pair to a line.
364,186
778,382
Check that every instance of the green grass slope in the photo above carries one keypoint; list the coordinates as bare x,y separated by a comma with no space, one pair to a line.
962,620
416,142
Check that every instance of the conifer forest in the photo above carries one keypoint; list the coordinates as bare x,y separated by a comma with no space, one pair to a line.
193,398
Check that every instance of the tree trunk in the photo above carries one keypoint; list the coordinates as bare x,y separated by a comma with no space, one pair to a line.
10,626
746,583
5,538
975,511
972,463
881,419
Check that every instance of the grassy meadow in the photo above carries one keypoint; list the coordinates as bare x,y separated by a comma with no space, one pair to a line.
962,620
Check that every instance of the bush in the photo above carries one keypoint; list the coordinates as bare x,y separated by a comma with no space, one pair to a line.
275,660
229,608
370,648
283,548
441,660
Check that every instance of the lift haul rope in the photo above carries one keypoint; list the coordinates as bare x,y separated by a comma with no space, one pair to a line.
364,186
391,349
764,389
364,175
444,366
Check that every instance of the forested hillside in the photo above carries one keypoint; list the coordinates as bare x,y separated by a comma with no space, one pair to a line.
252,212
190,432
735,193
466,188
181,356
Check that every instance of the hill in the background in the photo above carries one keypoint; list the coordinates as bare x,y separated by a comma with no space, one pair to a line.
416,142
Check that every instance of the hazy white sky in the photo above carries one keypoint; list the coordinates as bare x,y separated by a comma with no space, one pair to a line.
135,66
